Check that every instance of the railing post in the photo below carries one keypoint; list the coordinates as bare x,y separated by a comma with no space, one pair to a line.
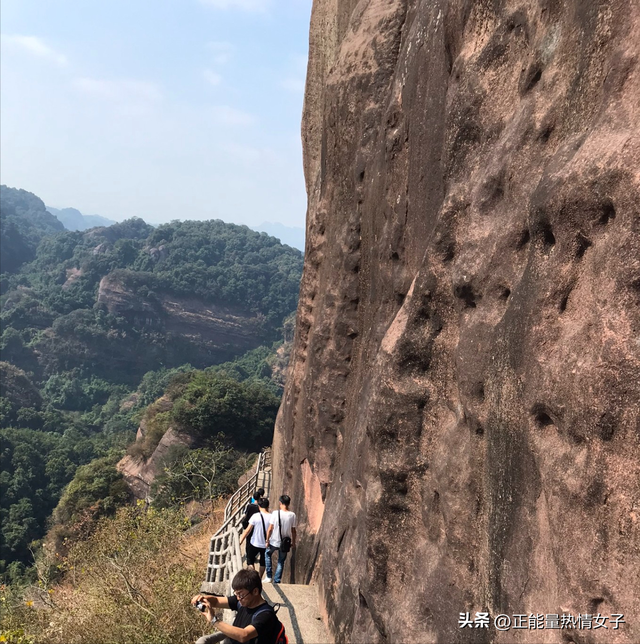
225,556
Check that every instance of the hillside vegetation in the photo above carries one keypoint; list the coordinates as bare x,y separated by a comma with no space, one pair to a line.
99,325
24,221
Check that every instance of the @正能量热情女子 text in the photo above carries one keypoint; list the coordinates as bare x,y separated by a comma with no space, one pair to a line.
540,621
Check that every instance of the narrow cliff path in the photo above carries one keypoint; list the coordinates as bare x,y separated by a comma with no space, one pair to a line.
299,603
299,612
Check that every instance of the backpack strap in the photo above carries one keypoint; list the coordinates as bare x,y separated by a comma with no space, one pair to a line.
267,606
264,530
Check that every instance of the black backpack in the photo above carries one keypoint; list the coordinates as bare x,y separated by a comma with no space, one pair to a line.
249,511
281,637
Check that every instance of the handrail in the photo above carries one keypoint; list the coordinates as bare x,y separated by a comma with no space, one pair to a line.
242,495
225,556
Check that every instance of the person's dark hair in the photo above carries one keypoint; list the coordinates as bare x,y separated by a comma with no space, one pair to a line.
247,580
285,499
264,503
259,493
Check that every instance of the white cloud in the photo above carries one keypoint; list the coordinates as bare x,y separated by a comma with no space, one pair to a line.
211,77
253,6
225,115
34,46
221,51
295,85
119,90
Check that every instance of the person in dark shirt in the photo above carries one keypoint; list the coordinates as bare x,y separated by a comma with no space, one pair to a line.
252,507
255,622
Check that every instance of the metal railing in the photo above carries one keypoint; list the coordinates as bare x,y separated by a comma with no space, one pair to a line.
242,495
225,557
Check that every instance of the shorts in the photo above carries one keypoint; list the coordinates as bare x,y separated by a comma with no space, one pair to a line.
253,552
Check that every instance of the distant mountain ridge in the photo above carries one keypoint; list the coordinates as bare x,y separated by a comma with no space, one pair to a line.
289,235
24,221
73,219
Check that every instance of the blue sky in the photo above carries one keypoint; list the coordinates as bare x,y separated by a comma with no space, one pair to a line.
163,109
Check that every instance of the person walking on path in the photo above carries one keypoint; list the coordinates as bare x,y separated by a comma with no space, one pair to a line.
252,507
255,621
281,537
257,528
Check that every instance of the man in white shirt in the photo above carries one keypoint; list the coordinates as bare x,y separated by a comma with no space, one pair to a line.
257,528
283,526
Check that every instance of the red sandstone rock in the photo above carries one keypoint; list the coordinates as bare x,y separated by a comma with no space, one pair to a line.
461,425
139,473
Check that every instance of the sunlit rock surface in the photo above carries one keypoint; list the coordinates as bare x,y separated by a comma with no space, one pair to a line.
461,425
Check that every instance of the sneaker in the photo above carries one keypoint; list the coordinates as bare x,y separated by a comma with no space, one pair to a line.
267,580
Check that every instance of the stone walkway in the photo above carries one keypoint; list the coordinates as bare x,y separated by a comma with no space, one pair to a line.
298,612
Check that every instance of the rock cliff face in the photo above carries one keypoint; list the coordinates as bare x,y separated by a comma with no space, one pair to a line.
461,425
138,472
221,328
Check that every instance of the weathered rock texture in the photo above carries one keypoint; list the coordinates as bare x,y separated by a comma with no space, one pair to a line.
461,425
139,472
223,329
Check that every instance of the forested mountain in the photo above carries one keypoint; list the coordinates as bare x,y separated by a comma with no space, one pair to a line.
119,301
73,219
98,325
24,221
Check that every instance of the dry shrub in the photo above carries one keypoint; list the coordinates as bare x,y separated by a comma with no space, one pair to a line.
129,583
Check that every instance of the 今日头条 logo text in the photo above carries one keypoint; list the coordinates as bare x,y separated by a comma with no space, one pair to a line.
540,621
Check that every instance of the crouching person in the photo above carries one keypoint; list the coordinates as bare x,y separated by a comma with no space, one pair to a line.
256,621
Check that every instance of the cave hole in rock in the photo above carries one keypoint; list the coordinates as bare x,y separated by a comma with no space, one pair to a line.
546,132
478,391
548,238
608,212
465,293
341,539
362,601
396,485
541,415
607,426
582,244
524,239
400,297
575,438
504,293
533,77
395,256
596,493
562,307
594,604
492,192
449,253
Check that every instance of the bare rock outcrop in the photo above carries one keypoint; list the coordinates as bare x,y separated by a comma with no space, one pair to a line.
460,430
139,473
225,328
